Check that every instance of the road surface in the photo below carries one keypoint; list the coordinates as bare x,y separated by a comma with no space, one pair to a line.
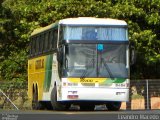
80,115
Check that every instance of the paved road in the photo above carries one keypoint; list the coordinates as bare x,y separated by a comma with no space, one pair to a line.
80,115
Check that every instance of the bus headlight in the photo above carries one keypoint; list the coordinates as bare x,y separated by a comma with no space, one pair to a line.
65,84
122,85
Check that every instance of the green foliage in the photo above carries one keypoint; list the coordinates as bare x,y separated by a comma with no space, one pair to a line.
15,67
18,18
10,86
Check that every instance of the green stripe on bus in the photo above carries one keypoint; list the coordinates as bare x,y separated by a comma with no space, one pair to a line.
48,73
116,80
119,80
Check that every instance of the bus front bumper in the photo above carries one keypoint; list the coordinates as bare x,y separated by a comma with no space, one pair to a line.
93,94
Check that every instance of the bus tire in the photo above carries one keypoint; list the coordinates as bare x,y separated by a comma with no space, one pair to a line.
113,106
48,106
55,104
86,107
36,105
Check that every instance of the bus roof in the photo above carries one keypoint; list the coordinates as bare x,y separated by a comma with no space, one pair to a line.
82,21
42,29
92,21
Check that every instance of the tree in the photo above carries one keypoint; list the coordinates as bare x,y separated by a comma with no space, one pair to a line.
18,18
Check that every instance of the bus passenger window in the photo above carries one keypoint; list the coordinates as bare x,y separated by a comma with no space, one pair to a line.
37,45
55,35
46,42
50,40
42,43
31,50
33,46
89,34
71,33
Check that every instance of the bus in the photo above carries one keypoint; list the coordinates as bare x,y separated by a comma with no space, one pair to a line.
80,61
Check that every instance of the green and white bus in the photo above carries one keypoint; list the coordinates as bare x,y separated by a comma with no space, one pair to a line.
79,61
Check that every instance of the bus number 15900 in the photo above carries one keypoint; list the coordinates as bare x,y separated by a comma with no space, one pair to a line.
83,80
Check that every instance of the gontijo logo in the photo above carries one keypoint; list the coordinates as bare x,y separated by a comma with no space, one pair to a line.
83,80
87,80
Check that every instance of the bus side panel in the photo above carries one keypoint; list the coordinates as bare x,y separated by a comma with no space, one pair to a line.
48,73
36,75
30,78
51,77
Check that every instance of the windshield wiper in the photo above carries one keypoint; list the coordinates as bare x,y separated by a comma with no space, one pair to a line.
107,68
84,74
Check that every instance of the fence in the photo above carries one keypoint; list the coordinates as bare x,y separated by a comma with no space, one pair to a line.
14,96
144,94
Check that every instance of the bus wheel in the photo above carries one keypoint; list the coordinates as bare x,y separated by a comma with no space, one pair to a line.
55,104
48,106
113,106
36,105
85,107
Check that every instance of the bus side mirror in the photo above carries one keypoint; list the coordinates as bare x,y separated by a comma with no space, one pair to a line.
132,53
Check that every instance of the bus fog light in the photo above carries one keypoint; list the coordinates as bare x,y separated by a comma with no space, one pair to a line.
69,84
72,84
64,84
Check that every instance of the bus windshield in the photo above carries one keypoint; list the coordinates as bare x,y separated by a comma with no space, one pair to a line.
85,60
107,33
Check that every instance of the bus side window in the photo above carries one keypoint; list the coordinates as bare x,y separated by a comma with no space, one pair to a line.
50,40
30,49
55,35
42,43
46,42
37,45
33,46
